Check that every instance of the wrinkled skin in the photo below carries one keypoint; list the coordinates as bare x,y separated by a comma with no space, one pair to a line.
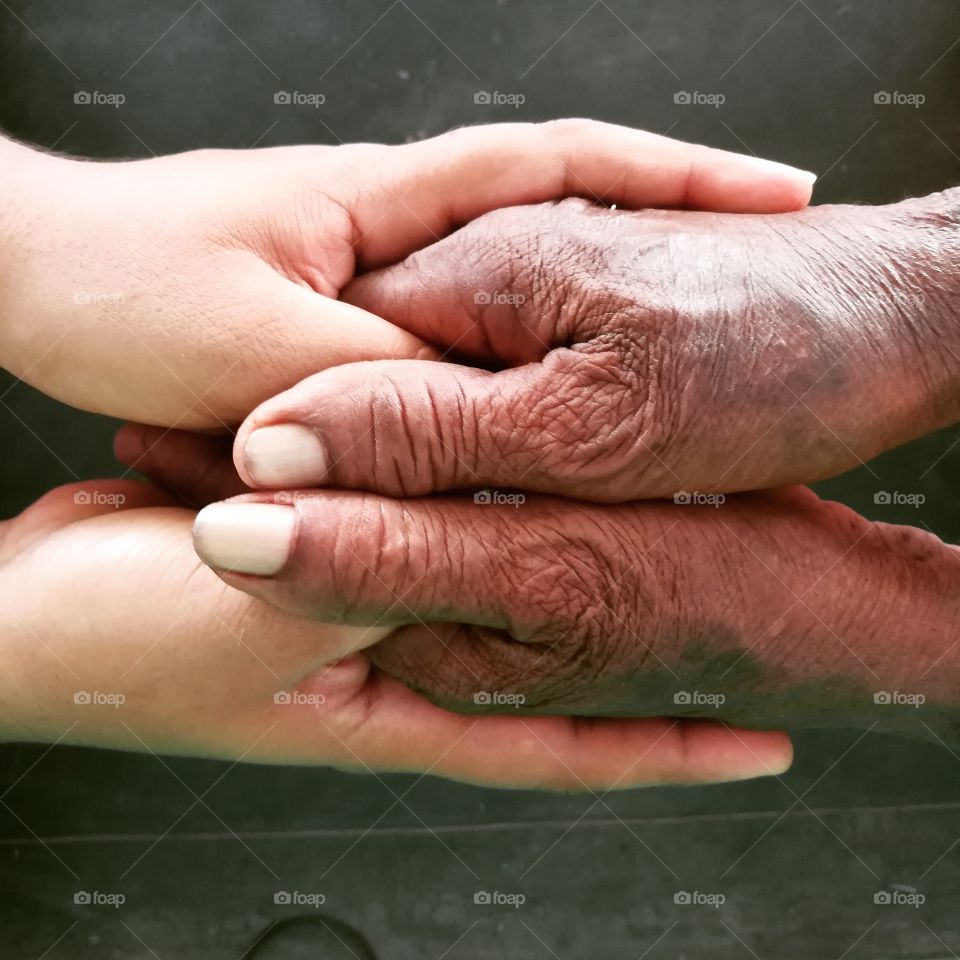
648,353
643,354
797,611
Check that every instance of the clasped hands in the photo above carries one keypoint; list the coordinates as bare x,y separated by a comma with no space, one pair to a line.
514,488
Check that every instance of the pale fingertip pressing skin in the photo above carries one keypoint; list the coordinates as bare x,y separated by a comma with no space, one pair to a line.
807,177
285,455
254,538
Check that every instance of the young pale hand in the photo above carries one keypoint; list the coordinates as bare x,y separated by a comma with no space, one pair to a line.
184,290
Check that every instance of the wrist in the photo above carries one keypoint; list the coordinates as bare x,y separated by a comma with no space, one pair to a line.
910,609
922,240
842,621
30,183
889,624
879,300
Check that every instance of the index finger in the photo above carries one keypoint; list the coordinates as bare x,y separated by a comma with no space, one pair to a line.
423,190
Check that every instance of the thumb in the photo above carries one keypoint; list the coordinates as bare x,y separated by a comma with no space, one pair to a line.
361,559
407,428
287,332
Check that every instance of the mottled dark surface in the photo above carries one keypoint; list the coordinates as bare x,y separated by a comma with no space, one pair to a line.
799,860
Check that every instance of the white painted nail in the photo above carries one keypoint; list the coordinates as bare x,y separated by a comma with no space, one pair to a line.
286,455
245,537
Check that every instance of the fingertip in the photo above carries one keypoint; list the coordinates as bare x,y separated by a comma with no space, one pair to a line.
281,455
751,754
130,443
786,194
245,537
755,185
776,170
698,751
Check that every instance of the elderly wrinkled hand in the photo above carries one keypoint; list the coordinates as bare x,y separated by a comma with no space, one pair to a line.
767,609
632,355
638,354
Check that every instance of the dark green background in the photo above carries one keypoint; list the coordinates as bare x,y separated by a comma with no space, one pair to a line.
399,858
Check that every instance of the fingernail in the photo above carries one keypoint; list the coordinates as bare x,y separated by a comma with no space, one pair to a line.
245,537
781,169
286,455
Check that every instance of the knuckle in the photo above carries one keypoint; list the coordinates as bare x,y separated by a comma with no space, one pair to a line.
592,425
369,555
582,605
522,275
581,612
419,432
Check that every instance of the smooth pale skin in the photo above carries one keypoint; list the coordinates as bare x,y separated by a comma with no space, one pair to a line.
184,290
